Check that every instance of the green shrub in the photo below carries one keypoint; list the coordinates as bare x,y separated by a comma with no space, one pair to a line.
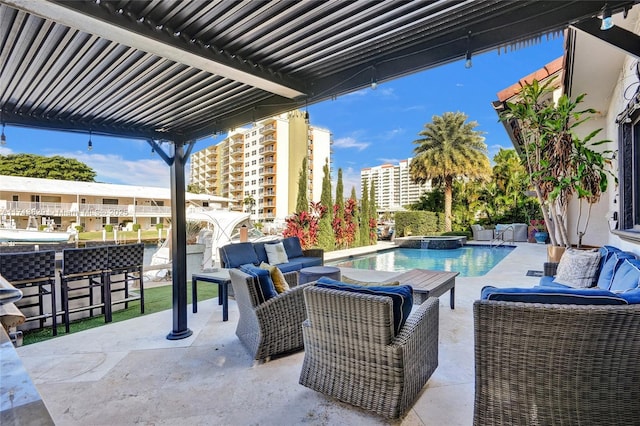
79,228
136,227
42,227
419,223
159,226
108,228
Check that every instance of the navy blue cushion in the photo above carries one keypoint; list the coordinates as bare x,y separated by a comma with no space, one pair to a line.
261,252
402,297
308,261
290,266
265,289
613,261
292,247
565,296
631,296
549,282
234,255
627,276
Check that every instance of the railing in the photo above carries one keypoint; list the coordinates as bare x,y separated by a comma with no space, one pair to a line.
26,208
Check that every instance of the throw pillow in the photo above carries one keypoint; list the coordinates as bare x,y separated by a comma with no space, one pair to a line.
401,296
369,284
292,247
611,264
277,276
627,276
264,284
578,268
276,253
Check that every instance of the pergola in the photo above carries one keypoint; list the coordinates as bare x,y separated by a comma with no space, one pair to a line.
171,72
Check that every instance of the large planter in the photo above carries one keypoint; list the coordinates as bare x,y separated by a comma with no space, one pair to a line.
541,237
554,253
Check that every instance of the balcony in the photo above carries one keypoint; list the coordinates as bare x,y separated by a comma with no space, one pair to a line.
268,129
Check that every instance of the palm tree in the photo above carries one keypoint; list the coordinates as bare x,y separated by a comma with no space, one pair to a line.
449,149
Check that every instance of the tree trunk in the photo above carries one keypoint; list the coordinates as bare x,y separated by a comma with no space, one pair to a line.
545,215
448,197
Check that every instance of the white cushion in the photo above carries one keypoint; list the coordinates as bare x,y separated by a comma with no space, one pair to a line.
578,268
276,253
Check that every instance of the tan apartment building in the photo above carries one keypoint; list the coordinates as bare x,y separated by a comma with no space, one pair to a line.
89,204
263,163
393,186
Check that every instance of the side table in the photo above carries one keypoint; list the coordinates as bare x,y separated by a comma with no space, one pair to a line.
220,277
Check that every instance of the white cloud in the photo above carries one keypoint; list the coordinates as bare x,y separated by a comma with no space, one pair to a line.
390,134
393,161
4,150
350,142
114,168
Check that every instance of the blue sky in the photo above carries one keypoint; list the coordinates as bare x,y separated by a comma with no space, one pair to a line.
369,127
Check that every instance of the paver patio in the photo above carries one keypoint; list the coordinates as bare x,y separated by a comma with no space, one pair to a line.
128,372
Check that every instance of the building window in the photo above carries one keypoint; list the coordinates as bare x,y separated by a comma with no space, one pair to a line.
629,171
15,198
110,201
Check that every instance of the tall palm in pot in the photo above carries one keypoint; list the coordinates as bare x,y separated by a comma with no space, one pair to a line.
560,164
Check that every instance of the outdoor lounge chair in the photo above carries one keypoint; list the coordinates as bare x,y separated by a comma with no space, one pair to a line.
271,327
481,234
352,354
546,364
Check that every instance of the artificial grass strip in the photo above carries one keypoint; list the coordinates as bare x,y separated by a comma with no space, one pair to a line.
156,299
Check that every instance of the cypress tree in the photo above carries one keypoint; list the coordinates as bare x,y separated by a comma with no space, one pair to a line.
364,216
339,224
326,238
302,202
355,228
373,214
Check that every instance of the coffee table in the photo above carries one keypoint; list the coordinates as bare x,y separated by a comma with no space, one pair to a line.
428,283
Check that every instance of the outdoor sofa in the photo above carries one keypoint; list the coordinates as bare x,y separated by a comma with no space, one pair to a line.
237,254
562,352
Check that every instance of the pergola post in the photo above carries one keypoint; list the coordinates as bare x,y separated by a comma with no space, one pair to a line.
179,245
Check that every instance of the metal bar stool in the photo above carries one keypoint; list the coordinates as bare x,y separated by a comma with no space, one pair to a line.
83,270
34,274
126,260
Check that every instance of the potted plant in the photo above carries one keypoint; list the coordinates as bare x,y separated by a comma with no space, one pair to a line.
540,231
559,163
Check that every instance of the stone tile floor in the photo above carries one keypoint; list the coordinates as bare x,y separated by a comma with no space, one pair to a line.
129,373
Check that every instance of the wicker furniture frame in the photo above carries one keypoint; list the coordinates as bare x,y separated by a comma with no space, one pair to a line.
272,327
539,364
352,354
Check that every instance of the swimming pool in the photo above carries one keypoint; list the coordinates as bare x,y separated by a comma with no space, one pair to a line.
469,261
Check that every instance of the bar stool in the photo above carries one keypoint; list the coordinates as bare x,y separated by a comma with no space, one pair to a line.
34,274
126,260
83,270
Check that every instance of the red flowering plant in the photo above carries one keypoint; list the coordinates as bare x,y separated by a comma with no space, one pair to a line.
349,222
338,227
373,234
304,225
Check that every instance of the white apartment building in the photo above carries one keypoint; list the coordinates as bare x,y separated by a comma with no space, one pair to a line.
393,186
263,163
92,205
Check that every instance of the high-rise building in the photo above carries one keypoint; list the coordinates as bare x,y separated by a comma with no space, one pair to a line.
393,186
259,166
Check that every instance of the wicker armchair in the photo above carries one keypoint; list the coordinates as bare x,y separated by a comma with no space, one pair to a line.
272,327
351,352
540,364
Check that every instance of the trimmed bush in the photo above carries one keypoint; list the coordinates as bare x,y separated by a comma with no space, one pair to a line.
79,228
159,226
136,227
108,228
419,223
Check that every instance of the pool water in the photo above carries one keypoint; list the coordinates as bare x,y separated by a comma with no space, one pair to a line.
469,261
